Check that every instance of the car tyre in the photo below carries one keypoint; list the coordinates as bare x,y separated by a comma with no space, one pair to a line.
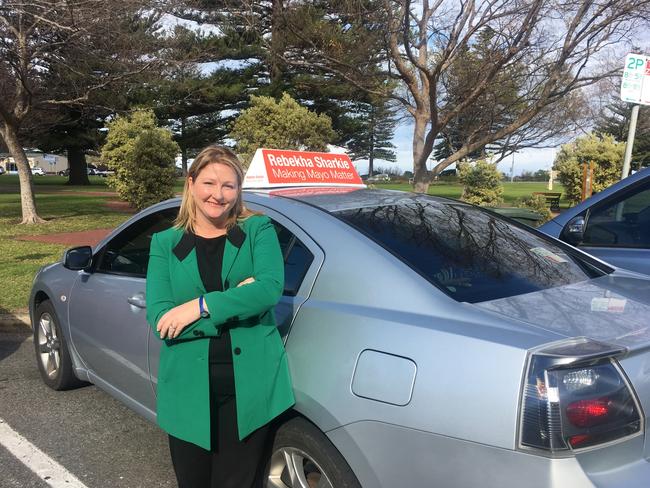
52,354
303,457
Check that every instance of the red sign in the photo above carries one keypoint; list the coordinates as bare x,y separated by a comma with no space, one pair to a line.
309,167
272,168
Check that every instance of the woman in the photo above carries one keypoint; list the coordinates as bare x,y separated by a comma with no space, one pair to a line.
212,282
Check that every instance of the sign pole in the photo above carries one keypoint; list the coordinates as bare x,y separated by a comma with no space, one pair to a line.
630,141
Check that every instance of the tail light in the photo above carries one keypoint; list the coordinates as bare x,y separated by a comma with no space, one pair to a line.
576,396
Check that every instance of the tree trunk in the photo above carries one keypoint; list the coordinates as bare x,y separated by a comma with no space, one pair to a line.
27,200
277,43
183,148
78,167
420,173
371,156
184,160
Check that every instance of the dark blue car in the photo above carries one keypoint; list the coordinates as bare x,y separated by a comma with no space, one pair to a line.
613,225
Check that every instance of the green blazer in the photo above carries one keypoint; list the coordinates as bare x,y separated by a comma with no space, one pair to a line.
262,382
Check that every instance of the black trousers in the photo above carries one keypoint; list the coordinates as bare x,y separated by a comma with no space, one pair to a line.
230,463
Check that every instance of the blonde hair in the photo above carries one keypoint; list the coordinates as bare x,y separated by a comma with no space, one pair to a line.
212,155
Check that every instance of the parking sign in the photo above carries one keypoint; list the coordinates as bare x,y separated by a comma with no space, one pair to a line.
635,85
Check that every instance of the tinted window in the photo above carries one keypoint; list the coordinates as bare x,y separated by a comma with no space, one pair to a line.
623,222
469,254
128,252
297,259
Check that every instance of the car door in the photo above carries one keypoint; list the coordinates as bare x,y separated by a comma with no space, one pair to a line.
302,260
107,311
617,230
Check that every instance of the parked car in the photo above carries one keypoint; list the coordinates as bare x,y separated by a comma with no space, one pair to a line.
104,172
2,170
430,342
64,172
613,225
520,214
381,177
38,171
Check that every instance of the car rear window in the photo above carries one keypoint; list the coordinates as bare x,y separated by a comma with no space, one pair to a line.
470,254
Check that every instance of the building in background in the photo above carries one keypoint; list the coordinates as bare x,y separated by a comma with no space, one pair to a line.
50,163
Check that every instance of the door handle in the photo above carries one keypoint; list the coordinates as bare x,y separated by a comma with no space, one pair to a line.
138,300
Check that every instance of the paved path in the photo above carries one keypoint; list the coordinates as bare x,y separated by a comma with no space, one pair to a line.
85,238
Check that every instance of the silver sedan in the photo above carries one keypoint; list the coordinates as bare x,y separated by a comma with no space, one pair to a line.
431,343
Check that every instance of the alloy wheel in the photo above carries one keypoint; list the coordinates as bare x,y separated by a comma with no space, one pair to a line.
49,345
293,468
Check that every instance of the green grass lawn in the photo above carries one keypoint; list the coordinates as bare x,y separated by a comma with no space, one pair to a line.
19,260
52,182
60,183
511,191
67,210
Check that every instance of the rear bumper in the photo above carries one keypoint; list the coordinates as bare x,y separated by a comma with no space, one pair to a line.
386,456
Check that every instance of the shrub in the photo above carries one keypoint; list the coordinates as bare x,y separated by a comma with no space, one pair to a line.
481,183
536,203
279,125
142,156
604,151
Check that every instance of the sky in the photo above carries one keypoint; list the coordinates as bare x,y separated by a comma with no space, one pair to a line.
525,160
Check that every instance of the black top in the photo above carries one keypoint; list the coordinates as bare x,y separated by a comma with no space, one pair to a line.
209,257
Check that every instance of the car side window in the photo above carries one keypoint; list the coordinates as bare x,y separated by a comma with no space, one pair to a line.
623,222
128,252
297,259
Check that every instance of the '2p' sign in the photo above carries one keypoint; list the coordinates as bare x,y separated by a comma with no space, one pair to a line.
634,62
635,84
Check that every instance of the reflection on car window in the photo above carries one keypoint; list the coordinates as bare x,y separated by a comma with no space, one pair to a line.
624,222
469,254
128,252
297,259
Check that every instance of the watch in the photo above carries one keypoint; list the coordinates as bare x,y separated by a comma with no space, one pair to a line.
204,313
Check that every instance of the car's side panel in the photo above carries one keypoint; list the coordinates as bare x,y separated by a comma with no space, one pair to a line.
383,455
465,387
111,334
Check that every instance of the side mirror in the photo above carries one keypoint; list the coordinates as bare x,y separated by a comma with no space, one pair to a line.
78,258
574,232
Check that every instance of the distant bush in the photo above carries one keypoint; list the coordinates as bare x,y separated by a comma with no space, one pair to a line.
481,183
604,151
536,203
279,125
142,156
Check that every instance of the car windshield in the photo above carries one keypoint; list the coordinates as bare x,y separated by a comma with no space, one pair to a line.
470,254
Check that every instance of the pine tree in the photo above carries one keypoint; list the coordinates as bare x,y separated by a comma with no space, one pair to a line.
375,123
615,120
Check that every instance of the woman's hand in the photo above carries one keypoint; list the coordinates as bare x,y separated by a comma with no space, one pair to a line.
247,281
173,322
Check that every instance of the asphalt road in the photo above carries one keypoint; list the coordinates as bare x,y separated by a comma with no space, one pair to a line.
91,435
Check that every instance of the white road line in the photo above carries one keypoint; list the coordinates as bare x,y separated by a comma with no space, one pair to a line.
40,463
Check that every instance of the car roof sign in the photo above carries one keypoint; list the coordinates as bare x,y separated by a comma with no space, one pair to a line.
275,168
